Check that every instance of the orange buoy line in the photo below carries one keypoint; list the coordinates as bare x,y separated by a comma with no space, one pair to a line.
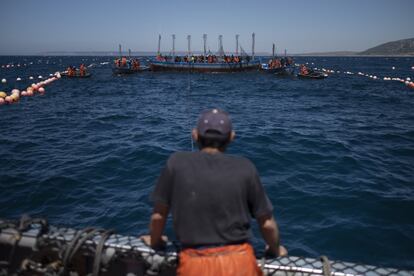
35,88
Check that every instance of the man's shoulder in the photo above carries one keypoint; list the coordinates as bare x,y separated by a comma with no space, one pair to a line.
180,156
241,161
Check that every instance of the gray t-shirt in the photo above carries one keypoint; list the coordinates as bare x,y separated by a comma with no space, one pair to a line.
212,197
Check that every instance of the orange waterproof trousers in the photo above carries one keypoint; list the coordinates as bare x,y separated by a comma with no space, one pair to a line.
219,261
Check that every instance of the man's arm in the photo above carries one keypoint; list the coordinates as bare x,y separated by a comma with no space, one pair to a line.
270,233
157,224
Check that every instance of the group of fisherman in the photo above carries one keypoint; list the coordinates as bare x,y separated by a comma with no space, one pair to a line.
280,62
303,70
204,59
72,71
127,63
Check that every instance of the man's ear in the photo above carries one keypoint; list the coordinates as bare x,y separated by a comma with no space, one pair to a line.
194,134
232,136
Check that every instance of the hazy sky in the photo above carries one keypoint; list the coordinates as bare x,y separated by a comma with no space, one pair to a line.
35,26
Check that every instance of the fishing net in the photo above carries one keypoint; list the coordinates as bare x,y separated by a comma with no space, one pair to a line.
32,247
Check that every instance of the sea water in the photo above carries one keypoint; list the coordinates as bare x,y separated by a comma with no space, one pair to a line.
336,156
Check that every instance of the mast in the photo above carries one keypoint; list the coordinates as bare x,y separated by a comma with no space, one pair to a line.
159,45
273,51
237,44
120,51
253,35
189,45
129,53
285,53
173,46
205,43
221,50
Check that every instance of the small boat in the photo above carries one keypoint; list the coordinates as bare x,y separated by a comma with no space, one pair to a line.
120,70
126,66
280,71
313,75
77,75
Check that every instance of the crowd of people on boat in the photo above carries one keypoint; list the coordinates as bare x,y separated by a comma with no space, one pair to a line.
204,58
72,71
280,62
127,63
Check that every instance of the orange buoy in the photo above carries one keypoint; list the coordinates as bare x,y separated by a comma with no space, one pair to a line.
8,99
41,90
24,93
2,101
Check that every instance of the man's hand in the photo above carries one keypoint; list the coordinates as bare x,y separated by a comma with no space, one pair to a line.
147,240
282,251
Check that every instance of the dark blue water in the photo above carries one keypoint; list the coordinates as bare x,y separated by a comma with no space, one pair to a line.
336,156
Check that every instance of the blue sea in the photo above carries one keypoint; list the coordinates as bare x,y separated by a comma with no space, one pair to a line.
336,156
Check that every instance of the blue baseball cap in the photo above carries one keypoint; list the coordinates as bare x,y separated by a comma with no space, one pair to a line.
214,122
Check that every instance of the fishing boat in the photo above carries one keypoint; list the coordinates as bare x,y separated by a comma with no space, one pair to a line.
125,66
278,66
77,75
207,62
204,67
30,246
313,75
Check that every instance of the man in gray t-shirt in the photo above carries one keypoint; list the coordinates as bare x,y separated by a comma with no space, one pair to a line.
212,198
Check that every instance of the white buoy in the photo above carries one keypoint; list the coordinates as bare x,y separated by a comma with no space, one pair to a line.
393,68
30,78
374,77
50,75
18,79
412,67
40,77
408,79
3,81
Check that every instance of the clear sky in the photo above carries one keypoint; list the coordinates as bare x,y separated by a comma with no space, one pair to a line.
35,26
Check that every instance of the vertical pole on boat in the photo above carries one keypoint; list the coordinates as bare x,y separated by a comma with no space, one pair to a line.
221,50
205,43
237,44
129,53
173,46
189,45
253,36
285,53
120,51
159,45
273,51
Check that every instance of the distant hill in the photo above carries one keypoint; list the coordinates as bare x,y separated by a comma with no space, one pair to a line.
403,47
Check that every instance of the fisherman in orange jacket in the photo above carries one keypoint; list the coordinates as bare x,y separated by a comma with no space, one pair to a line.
212,197
82,70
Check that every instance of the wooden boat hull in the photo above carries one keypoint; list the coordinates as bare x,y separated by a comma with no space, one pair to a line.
281,71
314,75
204,67
77,76
127,70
